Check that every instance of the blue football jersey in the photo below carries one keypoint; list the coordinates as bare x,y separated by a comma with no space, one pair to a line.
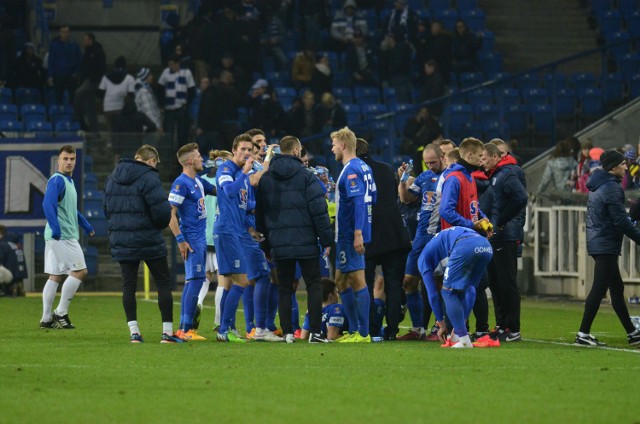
332,316
188,195
232,207
355,180
250,218
441,247
424,186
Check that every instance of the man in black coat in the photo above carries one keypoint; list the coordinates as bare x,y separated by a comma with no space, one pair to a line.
137,209
390,242
93,67
607,223
291,210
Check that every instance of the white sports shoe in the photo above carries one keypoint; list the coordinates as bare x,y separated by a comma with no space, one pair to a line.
463,343
264,335
290,338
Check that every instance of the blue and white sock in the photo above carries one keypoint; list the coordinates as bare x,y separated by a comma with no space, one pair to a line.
247,306
349,305
230,308
363,304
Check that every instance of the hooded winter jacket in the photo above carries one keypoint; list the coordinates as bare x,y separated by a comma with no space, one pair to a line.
137,208
291,210
607,218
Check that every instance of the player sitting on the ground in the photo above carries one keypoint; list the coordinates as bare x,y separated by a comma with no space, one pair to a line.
333,317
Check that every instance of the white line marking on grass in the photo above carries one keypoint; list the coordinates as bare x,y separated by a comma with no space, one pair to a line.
616,349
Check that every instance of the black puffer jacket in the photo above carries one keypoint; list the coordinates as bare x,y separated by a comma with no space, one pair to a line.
607,219
291,210
137,208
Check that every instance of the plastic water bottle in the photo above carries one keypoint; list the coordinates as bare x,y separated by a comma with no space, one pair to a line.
377,339
407,172
257,166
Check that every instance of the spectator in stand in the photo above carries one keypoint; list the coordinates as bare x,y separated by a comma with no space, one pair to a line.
145,98
629,181
421,129
303,66
397,65
271,42
344,25
226,36
592,164
218,113
322,78
439,49
13,261
432,85
248,50
312,14
329,114
199,35
185,58
29,71
402,21
558,170
265,109
94,66
115,87
241,79
129,121
360,60
423,40
464,50
302,116
65,59
179,91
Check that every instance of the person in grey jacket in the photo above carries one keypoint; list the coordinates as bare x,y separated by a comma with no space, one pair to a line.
607,223
558,170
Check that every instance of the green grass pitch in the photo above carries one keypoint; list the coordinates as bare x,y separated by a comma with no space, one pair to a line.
94,375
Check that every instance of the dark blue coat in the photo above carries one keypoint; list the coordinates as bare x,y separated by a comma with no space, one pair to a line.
291,210
607,218
138,209
508,199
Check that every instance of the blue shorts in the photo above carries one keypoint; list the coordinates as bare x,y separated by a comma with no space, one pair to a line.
231,258
196,264
347,259
467,262
256,262
419,242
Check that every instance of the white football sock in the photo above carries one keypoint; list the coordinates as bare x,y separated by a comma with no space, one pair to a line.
48,296
133,327
219,291
203,291
167,328
69,289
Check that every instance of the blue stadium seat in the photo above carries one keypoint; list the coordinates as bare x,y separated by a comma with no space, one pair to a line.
404,111
448,17
8,111
480,96
599,7
613,89
88,163
416,4
629,64
465,5
627,7
39,126
632,22
634,86
469,79
436,6
583,80
90,181
91,259
528,82
491,62
555,81
457,114
487,112
371,110
278,78
495,129
345,95
534,95
566,103
610,22
92,199
464,130
617,52
286,92
381,129
98,222
367,94
6,95
494,76
517,116
67,126
488,40
475,19
353,113
507,96
389,97
28,96
10,125
591,105
33,111
543,121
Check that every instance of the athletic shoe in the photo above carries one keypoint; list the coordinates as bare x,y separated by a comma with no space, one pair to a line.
136,338
432,337
344,338
196,317
496,333
46,325
182,335
415,334
448,343
297,334
512,337
230,336
357,338
634,338
278,332
463,343
171,338
236,333
289,338
216,328
192,335
486,341
63,321
267,336
251,334
478,335
317,338
588,340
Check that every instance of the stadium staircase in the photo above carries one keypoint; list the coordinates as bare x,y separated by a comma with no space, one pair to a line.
530,33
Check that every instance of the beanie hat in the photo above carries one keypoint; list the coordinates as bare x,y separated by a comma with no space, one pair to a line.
610,159
143,73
